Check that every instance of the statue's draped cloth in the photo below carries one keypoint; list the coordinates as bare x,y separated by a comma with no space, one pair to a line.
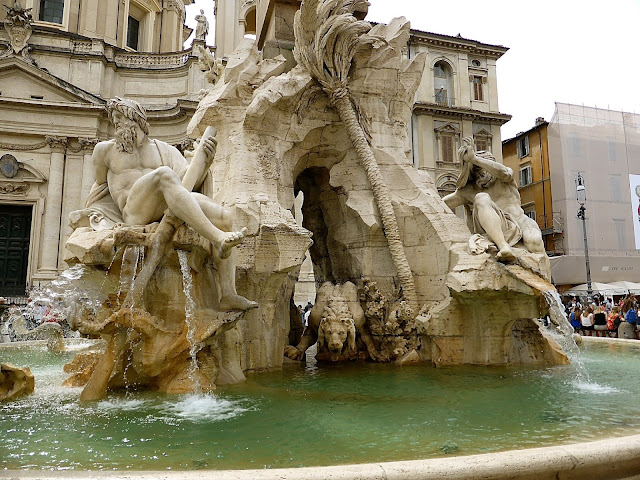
510,229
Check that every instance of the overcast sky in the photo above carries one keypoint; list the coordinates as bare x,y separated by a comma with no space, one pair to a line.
568,51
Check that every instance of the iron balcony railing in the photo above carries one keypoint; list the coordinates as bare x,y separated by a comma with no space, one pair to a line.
443,99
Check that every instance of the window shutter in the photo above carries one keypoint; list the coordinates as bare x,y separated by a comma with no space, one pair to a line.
478,93
519,149
526,146
447,148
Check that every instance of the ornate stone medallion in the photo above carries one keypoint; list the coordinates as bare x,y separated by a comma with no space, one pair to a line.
9,166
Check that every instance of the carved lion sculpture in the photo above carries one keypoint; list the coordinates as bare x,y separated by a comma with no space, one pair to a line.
335,321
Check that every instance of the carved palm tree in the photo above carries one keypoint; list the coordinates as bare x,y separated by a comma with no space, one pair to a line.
327,37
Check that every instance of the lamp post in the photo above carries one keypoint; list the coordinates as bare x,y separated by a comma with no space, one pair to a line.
581,197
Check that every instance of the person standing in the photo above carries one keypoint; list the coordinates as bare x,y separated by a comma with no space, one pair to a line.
599,319
586,319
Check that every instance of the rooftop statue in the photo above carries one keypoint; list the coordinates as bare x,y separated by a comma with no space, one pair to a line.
489,190
203,26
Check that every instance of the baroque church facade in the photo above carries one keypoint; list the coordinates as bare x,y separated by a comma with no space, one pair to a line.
60,61
76,55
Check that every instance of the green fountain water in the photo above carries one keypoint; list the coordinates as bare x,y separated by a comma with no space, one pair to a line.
319,416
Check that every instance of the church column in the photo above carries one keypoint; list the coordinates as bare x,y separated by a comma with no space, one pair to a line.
53,207
71,198
172,21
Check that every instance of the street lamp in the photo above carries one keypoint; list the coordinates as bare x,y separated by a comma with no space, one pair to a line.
581,197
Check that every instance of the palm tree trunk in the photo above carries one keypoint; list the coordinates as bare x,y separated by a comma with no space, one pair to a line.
381,195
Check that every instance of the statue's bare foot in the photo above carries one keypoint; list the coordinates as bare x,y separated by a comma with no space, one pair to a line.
506,255
236,302
230,240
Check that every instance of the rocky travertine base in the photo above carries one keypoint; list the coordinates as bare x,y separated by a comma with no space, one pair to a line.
15,381
158,343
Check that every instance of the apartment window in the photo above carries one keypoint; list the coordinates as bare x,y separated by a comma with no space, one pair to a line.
478,89
616,193
442,83
612,150
576,146
525,176
447,140
620,234
482,138
447,148
446,189
523,147
531,214
133,30
51,11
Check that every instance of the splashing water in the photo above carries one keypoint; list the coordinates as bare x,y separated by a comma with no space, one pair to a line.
76,290
128,271
564,334
189,310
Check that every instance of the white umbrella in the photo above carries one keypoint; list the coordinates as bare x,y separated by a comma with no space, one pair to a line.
632,287
597,287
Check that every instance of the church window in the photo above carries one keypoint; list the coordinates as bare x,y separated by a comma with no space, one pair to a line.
133,29
51,11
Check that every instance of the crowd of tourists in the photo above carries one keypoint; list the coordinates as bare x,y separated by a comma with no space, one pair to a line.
602,313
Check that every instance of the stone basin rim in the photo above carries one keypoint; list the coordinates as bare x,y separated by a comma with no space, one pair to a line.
612,458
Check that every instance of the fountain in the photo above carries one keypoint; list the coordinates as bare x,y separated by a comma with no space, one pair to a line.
186,304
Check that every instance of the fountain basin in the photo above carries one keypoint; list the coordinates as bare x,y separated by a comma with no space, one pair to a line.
314,417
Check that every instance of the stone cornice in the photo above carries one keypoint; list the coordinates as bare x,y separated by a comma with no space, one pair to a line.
494,118
182,108
457,43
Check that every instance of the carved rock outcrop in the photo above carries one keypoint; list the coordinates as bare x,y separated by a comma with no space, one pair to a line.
15,381
157,344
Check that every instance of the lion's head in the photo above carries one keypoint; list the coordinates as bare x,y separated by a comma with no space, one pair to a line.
336,328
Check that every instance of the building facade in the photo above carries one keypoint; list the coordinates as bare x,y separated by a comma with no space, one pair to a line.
75,57
604,147
527,154
457,98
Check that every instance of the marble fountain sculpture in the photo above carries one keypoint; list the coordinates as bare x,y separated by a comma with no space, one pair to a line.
197,286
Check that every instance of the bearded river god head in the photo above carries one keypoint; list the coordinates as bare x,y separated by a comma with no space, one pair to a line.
126,115
126,135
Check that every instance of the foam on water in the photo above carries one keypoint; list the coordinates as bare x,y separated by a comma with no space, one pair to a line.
594,388
204,408
122,404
